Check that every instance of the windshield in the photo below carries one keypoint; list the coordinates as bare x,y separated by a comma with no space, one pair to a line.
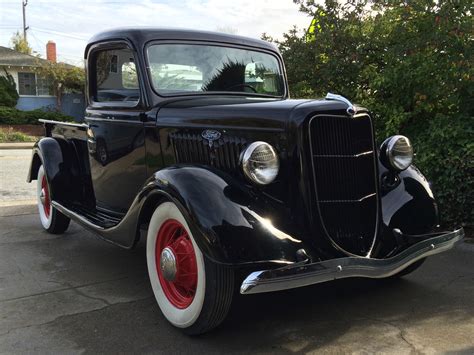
197,68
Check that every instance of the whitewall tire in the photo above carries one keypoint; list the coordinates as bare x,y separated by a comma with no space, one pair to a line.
193,293
51,219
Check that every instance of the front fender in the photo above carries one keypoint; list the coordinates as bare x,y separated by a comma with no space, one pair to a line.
408,206
232,223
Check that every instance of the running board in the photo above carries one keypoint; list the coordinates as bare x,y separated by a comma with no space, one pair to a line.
93,218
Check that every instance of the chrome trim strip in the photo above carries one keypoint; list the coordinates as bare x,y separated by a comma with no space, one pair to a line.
77,125
343,155
303,275
348,201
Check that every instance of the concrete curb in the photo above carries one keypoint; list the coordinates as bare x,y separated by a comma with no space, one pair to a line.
27,145
12,203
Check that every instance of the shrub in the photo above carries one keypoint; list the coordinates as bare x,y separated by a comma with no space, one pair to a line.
12,116
8,94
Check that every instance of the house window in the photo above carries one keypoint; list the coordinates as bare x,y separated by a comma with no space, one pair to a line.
113,64
31,84
27,83
43,86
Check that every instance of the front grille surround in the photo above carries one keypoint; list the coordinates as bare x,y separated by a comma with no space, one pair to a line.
345,179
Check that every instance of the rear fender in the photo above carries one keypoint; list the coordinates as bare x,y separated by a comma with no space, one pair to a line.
55,156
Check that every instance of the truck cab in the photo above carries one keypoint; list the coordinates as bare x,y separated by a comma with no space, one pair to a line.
190,139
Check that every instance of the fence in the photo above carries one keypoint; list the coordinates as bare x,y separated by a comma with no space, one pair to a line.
71,104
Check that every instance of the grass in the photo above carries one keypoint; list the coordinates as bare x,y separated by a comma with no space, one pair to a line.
11,136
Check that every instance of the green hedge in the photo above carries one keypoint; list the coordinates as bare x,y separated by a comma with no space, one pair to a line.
12,116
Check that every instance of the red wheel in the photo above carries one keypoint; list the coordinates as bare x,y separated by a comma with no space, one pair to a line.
176,263
44,197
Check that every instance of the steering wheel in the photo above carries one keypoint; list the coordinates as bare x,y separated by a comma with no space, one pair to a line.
242,85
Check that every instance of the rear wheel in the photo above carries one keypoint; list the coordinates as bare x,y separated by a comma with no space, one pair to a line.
51,219
193,293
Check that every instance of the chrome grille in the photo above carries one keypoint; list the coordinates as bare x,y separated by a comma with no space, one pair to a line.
345,180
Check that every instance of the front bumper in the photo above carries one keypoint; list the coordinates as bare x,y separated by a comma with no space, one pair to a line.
294,276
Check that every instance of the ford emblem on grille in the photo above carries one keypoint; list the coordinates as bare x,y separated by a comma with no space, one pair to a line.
210,135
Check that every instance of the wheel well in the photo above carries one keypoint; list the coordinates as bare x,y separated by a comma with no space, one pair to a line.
147,210
35,164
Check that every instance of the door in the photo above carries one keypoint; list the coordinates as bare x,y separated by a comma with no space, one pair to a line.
115,129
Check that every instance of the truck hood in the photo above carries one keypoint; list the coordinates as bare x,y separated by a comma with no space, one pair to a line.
243,112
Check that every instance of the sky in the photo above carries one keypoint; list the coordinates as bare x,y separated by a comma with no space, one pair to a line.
70,23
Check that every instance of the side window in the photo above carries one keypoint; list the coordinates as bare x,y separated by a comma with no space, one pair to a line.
116,76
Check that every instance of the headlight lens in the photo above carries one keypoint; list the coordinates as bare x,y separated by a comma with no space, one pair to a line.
260,163
397,153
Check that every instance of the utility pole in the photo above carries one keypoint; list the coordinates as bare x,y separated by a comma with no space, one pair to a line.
25,27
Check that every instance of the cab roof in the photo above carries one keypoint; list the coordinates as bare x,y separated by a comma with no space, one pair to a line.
139,36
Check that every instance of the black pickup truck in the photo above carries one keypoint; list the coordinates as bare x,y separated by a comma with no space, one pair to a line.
190,138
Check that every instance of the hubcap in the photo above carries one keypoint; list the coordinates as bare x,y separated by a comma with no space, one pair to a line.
168,264
44,197
176,264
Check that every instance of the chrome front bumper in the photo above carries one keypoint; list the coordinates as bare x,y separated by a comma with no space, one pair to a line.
294,276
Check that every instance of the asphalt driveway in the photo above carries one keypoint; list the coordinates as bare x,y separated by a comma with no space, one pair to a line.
14,167
74,293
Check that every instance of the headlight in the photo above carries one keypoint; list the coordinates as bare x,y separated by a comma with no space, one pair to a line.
260,163
396,153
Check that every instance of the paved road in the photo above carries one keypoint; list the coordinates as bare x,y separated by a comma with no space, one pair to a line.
14,165
74,293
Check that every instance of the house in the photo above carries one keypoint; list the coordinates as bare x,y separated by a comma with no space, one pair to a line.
35,91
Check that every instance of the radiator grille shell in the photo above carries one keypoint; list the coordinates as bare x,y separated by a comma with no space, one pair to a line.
344,172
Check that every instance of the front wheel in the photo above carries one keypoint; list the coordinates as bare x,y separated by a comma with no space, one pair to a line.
51,219
193,293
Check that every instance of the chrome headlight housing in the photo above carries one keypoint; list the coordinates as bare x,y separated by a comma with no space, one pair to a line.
260,163
396,153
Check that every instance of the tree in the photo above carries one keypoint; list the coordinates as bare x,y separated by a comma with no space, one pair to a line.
8,94
411,64
20,44
64,78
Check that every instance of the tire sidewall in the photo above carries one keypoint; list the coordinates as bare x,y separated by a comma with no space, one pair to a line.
46,221
181,318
